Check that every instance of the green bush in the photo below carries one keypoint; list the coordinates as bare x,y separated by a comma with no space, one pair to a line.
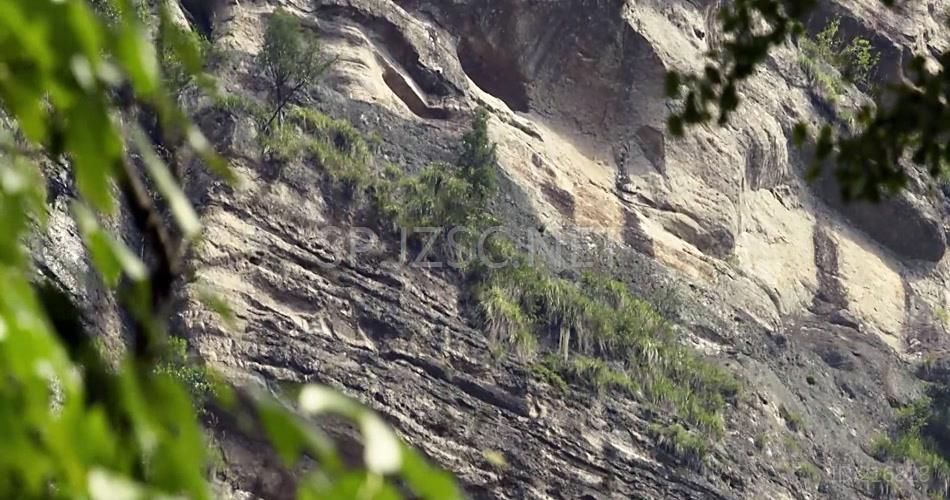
478,160
921,436
385,192
830,62
446,196
436,197
681,444
176,364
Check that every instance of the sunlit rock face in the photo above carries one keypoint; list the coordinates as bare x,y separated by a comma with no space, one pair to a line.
818,305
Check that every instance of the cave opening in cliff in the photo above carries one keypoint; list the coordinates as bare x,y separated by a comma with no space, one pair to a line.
201,15
495,72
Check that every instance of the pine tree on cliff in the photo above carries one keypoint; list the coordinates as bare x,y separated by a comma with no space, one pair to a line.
479,158
290,60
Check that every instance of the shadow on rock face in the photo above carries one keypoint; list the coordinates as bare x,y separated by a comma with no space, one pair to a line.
590,74
495,72
202,14
906,224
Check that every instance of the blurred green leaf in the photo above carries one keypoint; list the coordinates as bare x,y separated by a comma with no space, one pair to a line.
112,258
76,422
382,452
95,148
428,483
180,207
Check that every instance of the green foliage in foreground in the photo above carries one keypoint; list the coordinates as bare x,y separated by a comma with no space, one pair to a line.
922,437
76,425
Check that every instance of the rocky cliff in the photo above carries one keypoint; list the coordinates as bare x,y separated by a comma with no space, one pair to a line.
821,308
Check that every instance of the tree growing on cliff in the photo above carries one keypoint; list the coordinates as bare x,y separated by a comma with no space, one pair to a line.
290,60
478,161
912,125
451,196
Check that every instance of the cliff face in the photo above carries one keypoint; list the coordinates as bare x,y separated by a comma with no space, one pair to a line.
818,306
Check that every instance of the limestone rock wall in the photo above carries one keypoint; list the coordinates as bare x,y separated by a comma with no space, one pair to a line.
819,306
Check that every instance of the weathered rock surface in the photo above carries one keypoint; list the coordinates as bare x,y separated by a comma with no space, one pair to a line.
817,305
812,301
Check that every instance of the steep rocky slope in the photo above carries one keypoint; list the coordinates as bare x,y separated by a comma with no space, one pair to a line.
821,308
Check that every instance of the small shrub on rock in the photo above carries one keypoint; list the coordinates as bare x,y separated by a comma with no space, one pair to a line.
681,444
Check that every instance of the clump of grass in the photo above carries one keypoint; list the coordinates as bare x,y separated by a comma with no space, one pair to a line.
336,147
681,444
239,104
385,192
921,437
880,484
338,133
547,370
607,337
942,314
282,143
808,472
794,421
761,440
504,320
597,374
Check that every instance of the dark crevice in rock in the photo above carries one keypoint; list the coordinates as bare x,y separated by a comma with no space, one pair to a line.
561,200
378,328
404,91
830,295
486,393
634,236
590,74
494,71
653,144
202,15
